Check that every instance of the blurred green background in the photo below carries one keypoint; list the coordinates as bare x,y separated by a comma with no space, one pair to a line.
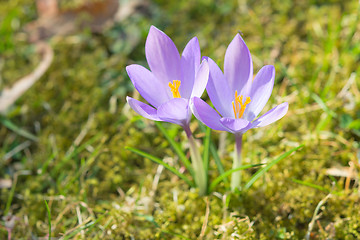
63,140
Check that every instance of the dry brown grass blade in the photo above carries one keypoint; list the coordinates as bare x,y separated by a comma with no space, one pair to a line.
347,172
206,219
10,95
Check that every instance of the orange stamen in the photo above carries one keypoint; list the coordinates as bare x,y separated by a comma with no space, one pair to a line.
238,105
174,87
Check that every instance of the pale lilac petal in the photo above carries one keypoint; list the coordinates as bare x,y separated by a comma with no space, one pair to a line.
150,88
206,114
175,111
162,56
190,62
271,116
238,67
235,125
143,109
219,91
201,79
260,91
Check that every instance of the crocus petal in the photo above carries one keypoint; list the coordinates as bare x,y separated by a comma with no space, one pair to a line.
162,56
238,67
271,116
190,62
201,79
260,91
143,109
219,90
235,125
148,85
175,111
206,114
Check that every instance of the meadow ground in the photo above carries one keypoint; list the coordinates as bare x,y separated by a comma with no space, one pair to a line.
64,140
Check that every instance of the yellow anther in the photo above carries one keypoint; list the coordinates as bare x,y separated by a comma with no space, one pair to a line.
238,105
174,87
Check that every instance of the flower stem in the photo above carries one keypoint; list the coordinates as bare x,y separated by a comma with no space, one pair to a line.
197,164
236,176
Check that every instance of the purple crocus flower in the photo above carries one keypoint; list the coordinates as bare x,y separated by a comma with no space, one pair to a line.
237,97
169,86
234,94
172,81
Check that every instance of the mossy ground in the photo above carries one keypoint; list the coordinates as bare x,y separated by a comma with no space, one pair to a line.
98,190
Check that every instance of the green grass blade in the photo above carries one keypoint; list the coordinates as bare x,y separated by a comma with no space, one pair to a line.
7,123
311,185
322,104
217,160
318,187
215,155
148,218
90,160
87,226
207,149
159,161
262,171
49,218
46,164
228,173
177,149
11,196
71,154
